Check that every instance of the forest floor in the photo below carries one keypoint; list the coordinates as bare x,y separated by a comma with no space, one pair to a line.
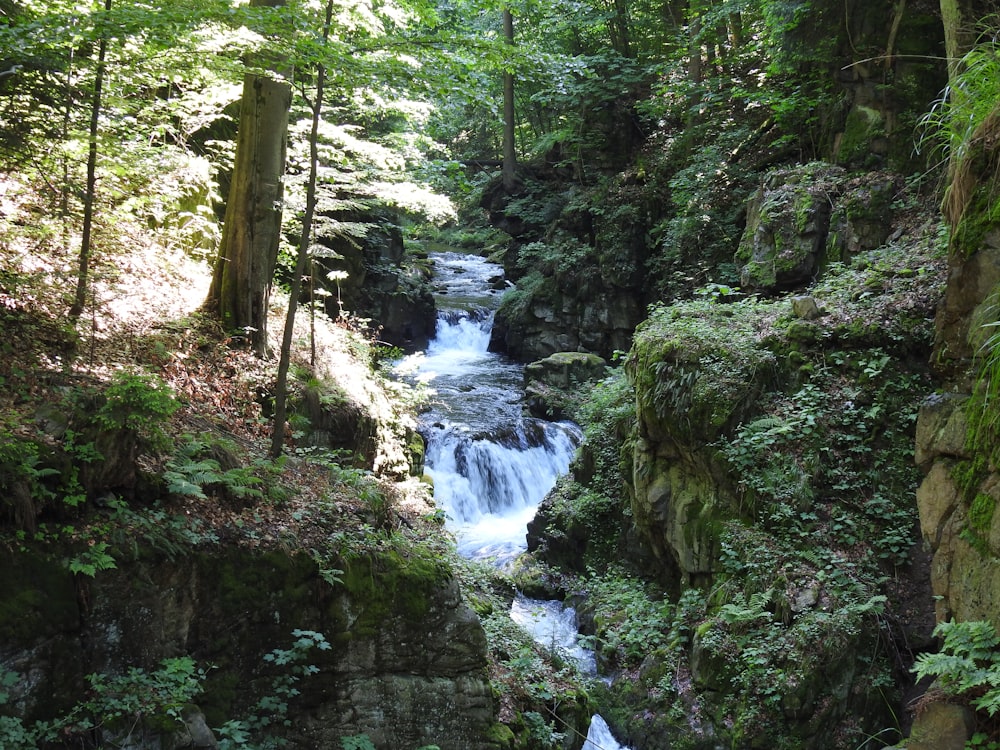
144,315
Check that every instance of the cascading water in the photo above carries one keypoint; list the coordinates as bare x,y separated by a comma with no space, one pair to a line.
492,466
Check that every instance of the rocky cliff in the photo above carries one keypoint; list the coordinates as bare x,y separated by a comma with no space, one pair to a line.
406,664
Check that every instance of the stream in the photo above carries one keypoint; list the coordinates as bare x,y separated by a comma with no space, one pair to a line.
490,464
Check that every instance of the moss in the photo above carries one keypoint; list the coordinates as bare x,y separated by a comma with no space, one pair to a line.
501,736
862,127
980,216
981,512
802,332
390,584
39,598
695,366
968,475
249,582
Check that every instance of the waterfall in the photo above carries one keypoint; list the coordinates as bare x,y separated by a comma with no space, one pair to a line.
491,466
599,737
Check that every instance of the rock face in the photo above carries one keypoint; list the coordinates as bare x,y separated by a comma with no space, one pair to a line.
547,382
962,487
803,217
407,665
373,277
690,388
588,317
941,726
579,273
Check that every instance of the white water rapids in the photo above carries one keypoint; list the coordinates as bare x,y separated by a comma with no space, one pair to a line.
491,466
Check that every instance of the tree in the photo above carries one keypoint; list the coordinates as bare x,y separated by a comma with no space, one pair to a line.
509,126
244,270
284,360
83,270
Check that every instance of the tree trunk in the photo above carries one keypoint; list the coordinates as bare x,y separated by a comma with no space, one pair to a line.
83,272
285,358
509,171
248,252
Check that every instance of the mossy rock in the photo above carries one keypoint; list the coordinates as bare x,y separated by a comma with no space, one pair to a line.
697,367
787,224
391,584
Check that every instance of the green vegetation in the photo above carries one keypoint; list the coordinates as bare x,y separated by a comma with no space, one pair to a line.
735,436
131,706
782,432
968,665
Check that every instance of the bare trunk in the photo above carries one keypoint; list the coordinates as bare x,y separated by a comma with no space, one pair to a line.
248,252
83,272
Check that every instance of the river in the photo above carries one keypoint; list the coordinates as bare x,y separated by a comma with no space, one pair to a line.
490,464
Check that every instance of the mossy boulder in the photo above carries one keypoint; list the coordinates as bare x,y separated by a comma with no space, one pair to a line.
787,223
698,369
803,218
552,384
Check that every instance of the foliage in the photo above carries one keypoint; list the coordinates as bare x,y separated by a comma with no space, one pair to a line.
190,472
127,705
959,121
632,620
256,731
138,403
93,559
968,664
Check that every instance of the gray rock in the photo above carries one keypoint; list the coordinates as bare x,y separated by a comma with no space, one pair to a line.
805,307
941,726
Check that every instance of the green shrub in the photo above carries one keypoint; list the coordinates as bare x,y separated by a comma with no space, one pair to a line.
139,403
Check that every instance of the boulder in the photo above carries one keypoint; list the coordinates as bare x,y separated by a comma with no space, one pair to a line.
941,726
551,383
804,217
788,219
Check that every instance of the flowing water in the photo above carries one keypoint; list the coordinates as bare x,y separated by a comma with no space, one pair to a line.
492,466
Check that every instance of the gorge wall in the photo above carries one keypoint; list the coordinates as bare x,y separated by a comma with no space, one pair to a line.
407,663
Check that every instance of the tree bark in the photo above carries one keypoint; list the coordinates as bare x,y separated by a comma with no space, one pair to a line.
509,170
248,252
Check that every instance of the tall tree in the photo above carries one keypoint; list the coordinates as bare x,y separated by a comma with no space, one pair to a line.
241,281
284,360
83,271
509,171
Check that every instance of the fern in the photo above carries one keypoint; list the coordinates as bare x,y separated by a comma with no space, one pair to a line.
968,664
187,477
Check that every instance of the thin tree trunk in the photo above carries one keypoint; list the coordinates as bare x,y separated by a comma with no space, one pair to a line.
65,189
79,301
509,170
284,359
